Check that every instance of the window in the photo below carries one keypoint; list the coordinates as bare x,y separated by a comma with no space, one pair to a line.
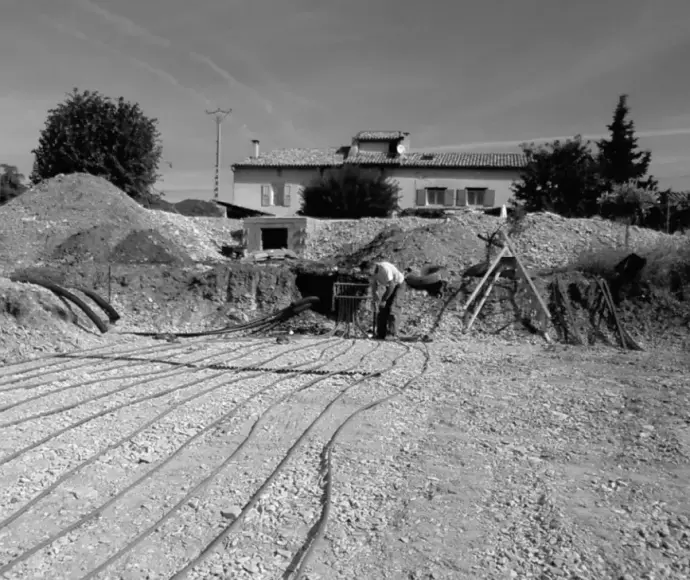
476,195
435,195
276,194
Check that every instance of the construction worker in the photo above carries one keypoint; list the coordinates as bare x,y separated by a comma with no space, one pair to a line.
389,312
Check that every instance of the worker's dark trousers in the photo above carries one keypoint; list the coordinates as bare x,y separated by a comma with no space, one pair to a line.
389,317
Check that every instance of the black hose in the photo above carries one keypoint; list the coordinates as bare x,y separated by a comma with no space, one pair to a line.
63,293
104,305
270,320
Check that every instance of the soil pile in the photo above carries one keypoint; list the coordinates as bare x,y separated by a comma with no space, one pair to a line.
199,208
38,222
444,244
149,247
547,240
93,244
35,322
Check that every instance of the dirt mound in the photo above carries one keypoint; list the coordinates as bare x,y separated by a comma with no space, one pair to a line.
445,244
93,244
36,223
148,247
39,220
35,322
581,317
548,240
199,208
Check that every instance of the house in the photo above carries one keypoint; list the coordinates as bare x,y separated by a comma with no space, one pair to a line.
271,182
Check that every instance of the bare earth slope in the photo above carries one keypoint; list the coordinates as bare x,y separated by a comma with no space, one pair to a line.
549,240
38,221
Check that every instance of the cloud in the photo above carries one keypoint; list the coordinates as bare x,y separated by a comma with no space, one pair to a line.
123,25
231,80
653,32
286,126
517,143
672,160
160,73
127,27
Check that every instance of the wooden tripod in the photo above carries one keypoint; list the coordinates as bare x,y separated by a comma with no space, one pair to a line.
507,261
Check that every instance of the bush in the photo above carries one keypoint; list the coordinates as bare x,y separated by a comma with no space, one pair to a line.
11,183
630,202
663,259
350,192
91,133
424,212
517,219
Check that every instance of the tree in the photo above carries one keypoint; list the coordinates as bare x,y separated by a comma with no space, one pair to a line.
619,158
561,177
95,134
675,208
11,183
630,201
350,192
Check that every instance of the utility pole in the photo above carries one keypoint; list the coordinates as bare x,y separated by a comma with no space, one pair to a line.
220,116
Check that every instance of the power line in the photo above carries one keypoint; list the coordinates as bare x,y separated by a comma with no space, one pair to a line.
220,116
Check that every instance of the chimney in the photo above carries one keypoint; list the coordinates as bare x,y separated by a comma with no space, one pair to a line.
255,143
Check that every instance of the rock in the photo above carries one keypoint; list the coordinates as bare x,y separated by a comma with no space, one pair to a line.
231,512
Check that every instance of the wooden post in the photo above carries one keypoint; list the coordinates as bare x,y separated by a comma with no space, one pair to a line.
527,278
493,266
497,273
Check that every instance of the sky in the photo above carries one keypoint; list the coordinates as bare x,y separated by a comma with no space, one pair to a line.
481,75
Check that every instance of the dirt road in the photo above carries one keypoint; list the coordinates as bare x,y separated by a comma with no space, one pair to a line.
215,459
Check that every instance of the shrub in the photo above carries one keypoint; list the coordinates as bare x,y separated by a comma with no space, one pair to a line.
11,183
630,202
424,212
350,192
91,133
663,259
517,219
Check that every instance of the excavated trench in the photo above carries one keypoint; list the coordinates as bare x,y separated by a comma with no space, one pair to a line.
208,296
254,289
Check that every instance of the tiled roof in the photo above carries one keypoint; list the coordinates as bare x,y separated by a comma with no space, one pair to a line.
336,156
380,135
296,158
448,159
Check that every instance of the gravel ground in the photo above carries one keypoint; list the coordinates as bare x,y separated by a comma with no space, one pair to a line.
501,460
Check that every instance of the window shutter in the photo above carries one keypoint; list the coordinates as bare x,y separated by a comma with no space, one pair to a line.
265,195
287,197
421,197
449,197
461,197
489,197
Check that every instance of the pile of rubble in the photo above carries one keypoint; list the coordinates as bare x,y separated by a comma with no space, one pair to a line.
81,215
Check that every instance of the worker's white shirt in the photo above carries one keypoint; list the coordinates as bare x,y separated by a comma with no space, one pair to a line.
386,273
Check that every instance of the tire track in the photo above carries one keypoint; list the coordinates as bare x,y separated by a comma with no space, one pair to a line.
306,553
206,552
100,509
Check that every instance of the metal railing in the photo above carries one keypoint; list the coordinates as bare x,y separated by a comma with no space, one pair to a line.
348,298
